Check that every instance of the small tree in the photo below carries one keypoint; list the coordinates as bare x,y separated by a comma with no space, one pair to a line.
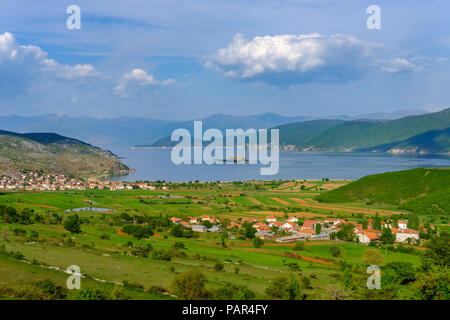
219,267
257,242
318,228
190,285
73,224
335,251
282,288
387,236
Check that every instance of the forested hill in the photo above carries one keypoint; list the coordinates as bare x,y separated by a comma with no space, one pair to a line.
401,135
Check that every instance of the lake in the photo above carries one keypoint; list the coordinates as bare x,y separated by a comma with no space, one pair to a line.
155,164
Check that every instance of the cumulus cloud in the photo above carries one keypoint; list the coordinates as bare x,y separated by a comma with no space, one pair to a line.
20,65
138,78
289,59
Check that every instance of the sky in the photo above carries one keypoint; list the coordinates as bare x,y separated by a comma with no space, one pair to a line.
179,59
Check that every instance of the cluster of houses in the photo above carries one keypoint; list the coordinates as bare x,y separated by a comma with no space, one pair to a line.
402,233
289,230
36,181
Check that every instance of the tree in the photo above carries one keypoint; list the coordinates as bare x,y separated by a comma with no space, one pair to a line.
234,292
318,228
346,232
387,236
335,251
413,222
177,231
398,273
219,267
249,231
376,222
283,288
372,257
438,252
190,285
73,224
257,242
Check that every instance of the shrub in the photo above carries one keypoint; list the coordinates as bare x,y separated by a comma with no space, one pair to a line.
372,257
190,286
257,242
73,224
335,251
219,267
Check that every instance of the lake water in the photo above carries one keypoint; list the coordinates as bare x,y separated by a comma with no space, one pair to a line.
155,164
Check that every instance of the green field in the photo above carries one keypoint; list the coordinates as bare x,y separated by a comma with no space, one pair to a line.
103,254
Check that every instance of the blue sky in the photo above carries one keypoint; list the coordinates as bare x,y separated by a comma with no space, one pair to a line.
172,59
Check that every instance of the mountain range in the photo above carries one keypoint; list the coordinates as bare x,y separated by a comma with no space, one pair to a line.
130,131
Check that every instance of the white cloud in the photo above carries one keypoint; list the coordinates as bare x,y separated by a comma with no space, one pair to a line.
23,64
138,78
289,59
401,65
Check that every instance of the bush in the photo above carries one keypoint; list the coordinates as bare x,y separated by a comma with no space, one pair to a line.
142,250
335,251
234,292
190,286
305,283
372,257
282,288
50,290
73,224
104,236
91,294
257,242
178,245
219,267
161,254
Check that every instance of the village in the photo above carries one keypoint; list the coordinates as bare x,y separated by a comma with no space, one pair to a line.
39,181
292,229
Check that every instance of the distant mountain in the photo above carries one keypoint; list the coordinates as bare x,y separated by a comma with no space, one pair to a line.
421,190
55,153
367,134
137,131
390,115
131,130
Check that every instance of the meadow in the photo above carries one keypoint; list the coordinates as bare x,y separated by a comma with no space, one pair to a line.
102,251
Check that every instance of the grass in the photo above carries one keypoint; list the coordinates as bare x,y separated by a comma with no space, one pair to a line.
104,258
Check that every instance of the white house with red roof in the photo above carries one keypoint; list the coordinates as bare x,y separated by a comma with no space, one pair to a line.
405,234
271,219
287,226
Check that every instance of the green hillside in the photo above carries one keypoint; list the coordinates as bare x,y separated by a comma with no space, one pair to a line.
434,141
54,153
299,133
363,134
421,190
